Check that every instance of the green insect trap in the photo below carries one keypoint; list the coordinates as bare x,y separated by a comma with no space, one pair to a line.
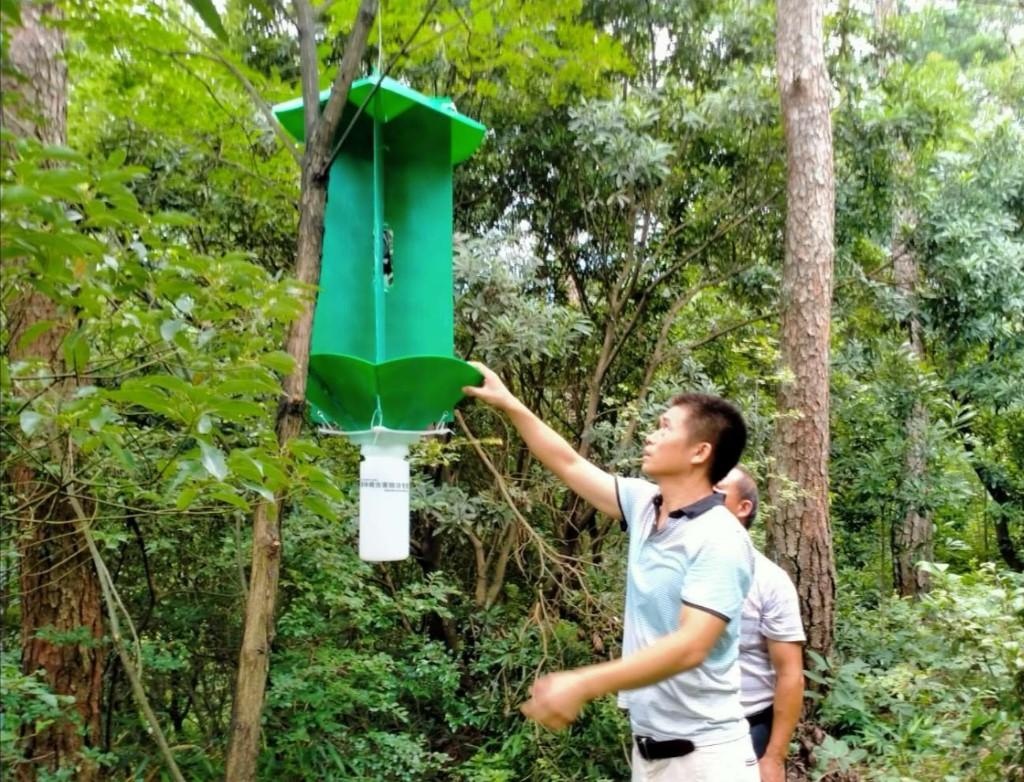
381,369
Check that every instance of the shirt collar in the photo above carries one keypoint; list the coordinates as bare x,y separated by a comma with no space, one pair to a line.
694,509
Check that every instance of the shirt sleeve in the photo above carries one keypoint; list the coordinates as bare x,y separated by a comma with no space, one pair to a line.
719,577
633,495
624,521
780,615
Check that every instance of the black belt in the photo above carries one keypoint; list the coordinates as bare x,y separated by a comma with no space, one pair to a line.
650,749
763,717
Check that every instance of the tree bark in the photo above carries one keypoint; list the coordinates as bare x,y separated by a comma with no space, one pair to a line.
261,602
912,537
800,532
59,590
59,593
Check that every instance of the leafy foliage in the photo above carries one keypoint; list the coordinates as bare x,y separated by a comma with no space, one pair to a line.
620,239
932,690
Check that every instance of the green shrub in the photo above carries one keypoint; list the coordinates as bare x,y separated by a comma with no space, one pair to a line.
932,690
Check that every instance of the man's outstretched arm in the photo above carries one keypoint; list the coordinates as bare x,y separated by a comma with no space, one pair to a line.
585,478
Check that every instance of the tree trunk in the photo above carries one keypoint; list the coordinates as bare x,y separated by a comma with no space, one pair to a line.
800,532
912,538
261,602
1009,501
59,588
254,656
59,593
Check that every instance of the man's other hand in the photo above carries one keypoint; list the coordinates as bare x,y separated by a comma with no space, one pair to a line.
556,700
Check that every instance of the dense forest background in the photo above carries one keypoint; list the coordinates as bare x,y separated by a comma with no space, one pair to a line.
619,238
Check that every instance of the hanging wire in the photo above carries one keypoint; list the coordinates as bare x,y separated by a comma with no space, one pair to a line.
380,41
377,422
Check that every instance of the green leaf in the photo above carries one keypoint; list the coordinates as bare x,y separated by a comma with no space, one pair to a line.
820,663
279,361
263,491
60,152
30,421
17,195
186,497
213,460
124,457
228,495
35,331
170,327
132,393
76,351
815,677
102,418
319,506
116,158
208,13
246,467
236,409
250,381
305,448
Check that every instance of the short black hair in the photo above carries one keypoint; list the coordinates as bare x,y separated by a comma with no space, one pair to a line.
748,491
718,422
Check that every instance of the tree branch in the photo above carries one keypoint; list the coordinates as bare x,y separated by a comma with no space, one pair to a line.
309,68
318,142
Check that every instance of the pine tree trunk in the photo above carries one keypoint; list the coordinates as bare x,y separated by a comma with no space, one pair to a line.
60,593
59,590
800,534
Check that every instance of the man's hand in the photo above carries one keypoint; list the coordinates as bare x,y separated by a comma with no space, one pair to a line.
772,769
493,391
556,700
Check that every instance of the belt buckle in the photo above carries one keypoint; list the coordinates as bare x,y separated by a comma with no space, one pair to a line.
642,746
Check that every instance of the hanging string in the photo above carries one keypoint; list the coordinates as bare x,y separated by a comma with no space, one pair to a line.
380,40
377,421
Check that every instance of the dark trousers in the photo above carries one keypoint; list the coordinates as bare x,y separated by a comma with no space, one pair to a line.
760,730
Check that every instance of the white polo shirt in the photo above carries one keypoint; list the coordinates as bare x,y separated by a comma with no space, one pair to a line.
771,611
702,558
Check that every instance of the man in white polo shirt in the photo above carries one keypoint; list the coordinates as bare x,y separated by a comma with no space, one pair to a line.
771,643
689,569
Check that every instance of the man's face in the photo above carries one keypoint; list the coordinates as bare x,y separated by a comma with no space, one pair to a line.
671,449
730,487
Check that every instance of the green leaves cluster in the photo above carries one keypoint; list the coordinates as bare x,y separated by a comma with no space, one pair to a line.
931,690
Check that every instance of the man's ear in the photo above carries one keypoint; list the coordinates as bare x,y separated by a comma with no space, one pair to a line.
743,511
701,454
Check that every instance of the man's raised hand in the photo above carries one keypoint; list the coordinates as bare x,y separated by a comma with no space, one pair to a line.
493,391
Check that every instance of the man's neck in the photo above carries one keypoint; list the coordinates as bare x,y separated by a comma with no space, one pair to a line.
679,491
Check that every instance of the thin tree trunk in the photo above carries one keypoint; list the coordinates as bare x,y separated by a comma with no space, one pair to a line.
1002,492
258,634
800,532
912,537
59,590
